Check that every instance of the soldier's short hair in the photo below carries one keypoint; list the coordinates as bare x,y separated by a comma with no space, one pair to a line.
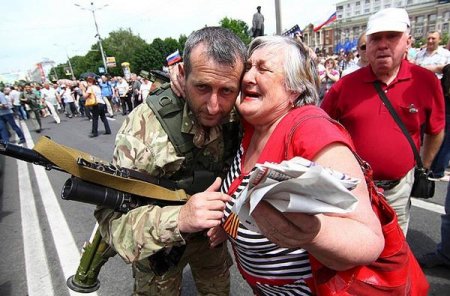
222,45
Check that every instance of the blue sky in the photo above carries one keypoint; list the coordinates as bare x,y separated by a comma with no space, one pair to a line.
34,30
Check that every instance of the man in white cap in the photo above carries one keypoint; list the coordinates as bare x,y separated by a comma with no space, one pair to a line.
415,94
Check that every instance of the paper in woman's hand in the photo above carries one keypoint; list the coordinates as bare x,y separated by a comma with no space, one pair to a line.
296,185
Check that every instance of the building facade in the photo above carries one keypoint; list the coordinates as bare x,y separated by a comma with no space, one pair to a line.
352,16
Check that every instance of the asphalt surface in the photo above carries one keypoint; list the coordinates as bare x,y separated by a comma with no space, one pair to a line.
51,255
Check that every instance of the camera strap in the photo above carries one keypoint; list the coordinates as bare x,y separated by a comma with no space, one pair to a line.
399,122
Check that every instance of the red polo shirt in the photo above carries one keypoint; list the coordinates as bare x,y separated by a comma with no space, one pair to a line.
416,96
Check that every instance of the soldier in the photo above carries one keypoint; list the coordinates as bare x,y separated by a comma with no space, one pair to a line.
150,142
31,98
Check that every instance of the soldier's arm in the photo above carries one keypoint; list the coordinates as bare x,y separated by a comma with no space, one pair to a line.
141,232
140,145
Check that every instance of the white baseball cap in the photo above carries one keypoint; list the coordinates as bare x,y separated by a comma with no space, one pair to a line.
388,20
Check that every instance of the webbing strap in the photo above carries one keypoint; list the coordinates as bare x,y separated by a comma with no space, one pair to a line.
66,158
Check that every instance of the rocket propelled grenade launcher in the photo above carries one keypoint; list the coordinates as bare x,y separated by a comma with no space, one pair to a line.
101,183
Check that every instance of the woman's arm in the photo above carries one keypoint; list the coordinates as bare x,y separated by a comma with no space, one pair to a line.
339,241
333,75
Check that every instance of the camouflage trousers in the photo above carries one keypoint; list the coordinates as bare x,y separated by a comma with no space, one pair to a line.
209,266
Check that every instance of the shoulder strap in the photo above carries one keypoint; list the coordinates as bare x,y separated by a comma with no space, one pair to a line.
304,118
67,159
168,108
399,122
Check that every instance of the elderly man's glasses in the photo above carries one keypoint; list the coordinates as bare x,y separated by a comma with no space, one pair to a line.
362,47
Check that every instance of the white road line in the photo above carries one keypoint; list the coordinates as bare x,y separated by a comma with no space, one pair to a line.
68,253
428,206
39,280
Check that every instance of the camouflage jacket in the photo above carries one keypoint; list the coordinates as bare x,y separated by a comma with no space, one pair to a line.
32,99
142,144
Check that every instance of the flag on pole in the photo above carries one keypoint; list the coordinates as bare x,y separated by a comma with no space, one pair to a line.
331,19
173,58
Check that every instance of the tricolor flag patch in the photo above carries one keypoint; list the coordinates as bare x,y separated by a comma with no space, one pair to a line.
173,58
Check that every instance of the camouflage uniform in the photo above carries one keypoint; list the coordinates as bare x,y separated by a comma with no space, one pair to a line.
33,100
142,144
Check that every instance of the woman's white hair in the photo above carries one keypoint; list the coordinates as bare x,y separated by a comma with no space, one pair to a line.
300,71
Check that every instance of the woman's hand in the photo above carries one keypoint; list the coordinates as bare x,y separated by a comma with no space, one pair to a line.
217,235
289,230
176,80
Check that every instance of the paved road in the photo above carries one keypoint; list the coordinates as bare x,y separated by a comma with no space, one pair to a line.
42,235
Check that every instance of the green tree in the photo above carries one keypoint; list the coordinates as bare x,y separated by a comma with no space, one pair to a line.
128,47
123,45
444,39
182,41
238,27
147,59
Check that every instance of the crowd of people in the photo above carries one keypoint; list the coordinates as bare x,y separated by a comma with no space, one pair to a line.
33,101
292,103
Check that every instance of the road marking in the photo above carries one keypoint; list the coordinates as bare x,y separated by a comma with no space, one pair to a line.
68,252
428,206
39,280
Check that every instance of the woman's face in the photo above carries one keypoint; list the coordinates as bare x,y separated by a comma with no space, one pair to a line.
264,97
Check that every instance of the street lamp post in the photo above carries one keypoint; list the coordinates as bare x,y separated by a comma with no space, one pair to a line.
68,61
93,9
278,17
70,67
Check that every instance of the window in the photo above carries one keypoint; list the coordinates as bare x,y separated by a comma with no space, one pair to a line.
431,28
367,10
446,15
409,2
432,18
419,19
367,1
418,31
445,28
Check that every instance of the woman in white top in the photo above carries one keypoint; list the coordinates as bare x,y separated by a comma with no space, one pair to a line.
145,88
69,101
97,110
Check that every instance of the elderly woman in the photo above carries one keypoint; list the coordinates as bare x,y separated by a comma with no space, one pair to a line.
277,104
328,76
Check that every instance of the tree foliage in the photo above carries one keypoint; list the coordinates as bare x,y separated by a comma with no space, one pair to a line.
238,27
128,47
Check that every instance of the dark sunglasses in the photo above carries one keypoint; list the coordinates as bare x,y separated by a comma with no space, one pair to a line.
362,47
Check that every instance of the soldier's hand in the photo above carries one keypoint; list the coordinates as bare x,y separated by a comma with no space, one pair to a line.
176,80
217,235
203,210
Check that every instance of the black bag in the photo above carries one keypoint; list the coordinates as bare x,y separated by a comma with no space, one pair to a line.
423,187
